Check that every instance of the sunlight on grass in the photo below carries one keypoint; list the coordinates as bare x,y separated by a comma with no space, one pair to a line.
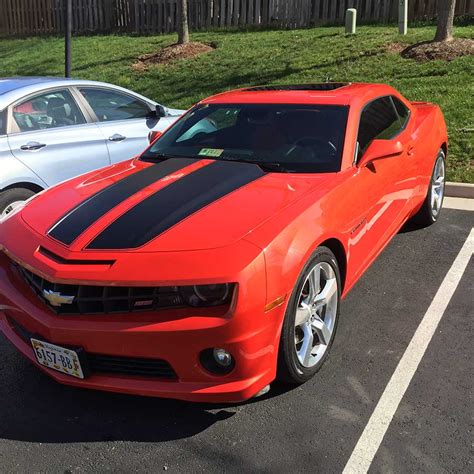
261,57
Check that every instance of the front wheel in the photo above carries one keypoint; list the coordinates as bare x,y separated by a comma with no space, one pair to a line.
431,208
12,198
311,319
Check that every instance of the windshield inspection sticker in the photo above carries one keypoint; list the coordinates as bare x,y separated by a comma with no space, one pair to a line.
215,152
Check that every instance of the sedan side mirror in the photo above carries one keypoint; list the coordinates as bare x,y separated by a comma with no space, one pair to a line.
379,149
157,113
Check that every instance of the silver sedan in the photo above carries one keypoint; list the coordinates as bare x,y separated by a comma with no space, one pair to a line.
52,129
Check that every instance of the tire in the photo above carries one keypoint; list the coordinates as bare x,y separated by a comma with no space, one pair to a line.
295,364
11,197
431,208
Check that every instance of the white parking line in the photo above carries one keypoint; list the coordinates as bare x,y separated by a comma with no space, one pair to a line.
369,442
458,203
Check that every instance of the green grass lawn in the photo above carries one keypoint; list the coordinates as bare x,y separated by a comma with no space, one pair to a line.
261,57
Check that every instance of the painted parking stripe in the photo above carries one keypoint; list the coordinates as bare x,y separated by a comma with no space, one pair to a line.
373,434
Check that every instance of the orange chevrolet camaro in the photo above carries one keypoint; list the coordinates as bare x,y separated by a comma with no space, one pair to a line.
215,262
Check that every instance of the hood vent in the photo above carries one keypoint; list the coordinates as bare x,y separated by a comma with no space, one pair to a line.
64,261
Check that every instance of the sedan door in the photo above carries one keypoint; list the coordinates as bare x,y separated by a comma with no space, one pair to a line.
49,134
124,120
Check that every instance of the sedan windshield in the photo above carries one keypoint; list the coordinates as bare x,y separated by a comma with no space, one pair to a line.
277,137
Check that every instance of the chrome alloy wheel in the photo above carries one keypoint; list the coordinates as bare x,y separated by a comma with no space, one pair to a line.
316,314
437,186
10,208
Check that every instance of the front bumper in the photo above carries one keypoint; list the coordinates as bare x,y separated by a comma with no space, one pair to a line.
247,332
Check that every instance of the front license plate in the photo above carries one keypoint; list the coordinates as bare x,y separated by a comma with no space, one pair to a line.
57,358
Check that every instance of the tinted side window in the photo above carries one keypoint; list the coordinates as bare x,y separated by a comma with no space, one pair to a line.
402,111
378,121
47,110
111,105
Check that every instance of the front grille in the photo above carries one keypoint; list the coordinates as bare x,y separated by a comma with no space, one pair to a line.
103,299
119,365
130,366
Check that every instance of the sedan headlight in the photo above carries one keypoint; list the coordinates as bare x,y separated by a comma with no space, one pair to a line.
207,295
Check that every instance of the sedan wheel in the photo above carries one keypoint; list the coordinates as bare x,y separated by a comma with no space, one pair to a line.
311,318
10,208
10,199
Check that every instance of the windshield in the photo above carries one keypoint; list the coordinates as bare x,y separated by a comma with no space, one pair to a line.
277,137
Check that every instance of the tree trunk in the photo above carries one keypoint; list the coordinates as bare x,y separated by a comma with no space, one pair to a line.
183,29
444,32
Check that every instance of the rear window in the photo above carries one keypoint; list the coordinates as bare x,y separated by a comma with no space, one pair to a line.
283,137
402,111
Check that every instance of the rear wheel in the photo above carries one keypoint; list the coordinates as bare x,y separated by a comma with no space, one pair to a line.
311,319
12,198
431,208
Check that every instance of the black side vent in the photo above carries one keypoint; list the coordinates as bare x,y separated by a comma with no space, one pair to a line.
324,86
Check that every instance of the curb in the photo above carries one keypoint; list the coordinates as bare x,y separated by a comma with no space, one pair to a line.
459,190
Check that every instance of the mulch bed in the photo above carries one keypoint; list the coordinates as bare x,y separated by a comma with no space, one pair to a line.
172,53
396,48
444,50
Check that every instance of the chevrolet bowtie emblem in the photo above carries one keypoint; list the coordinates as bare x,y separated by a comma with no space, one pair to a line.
57,299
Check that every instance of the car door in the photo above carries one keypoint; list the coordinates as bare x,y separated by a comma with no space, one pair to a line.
383,189
49,134
124,120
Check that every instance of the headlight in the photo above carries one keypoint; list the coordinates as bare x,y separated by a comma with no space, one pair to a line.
207,295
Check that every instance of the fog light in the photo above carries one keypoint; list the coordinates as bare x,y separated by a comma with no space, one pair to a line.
217,361
222,357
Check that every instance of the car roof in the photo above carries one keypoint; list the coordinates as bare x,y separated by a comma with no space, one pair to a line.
14,88
341,93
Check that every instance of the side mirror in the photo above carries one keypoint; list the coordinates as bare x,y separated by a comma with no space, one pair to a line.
160,111
157,113
379,149
153,136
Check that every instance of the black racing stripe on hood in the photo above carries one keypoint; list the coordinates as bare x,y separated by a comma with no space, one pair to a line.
73,224
172,204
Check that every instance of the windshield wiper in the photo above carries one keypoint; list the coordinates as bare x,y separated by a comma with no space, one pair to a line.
270,166
160,156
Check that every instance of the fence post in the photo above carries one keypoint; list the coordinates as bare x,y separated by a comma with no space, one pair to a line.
67,39
351,21
403,17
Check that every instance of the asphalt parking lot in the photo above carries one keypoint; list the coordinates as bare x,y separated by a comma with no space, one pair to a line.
45,427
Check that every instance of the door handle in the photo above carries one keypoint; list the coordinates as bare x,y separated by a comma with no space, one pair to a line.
32,146
116,137
411,150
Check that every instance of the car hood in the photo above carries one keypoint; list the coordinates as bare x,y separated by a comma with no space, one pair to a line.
175,205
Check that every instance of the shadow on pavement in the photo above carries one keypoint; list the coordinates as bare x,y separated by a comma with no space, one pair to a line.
37,409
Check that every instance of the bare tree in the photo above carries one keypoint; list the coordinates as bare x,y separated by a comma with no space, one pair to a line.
444,31
183,28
